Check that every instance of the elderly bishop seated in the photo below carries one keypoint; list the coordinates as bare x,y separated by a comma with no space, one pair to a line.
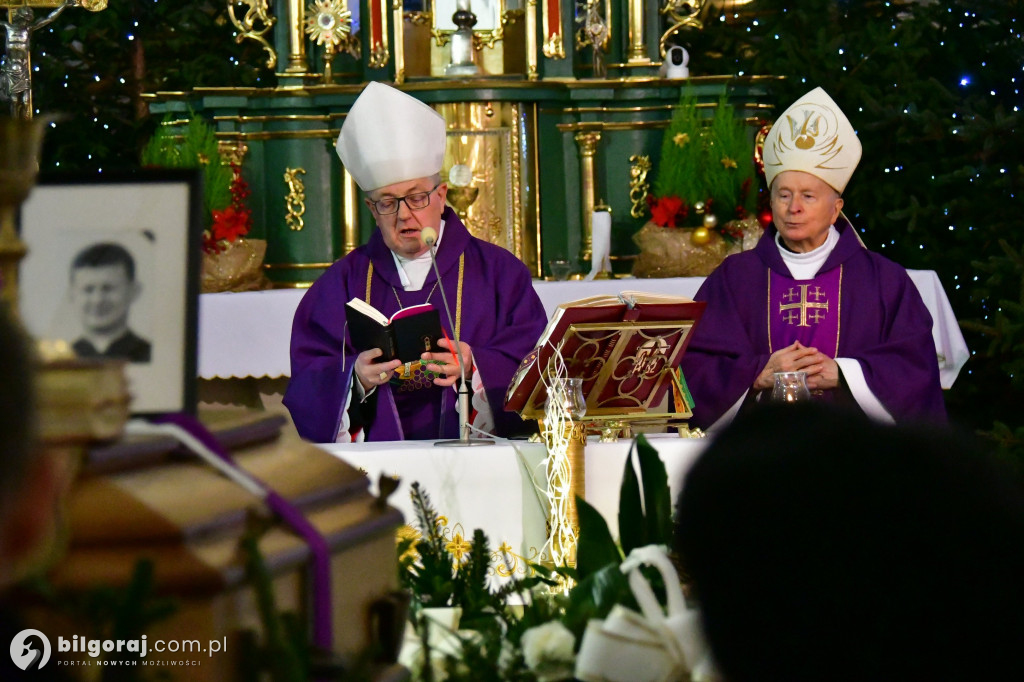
810,297
393,145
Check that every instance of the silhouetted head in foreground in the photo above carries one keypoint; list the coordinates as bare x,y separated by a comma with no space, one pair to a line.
823,546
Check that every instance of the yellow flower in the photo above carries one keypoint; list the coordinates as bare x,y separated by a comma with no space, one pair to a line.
681,139
728,163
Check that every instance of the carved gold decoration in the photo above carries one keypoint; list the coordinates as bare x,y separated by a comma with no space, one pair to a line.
419,18
640,166
377,17
254,25
232,152
680,13
295,200
587,142
552,24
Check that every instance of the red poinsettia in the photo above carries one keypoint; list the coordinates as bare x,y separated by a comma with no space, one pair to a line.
667,211
234,221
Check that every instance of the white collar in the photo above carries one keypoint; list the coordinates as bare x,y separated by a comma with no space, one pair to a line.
806,265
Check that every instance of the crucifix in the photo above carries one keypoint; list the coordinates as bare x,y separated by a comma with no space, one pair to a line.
16,65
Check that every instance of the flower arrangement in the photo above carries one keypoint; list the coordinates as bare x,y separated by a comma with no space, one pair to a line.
233,222
224,190
706,175
529,628
231,260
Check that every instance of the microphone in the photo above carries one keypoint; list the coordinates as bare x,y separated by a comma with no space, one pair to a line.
429,237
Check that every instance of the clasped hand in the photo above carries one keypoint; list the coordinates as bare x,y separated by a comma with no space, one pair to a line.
443,364
822,371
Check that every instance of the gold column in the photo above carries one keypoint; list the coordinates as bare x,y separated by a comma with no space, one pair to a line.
637,45
587,142
399,42
349,213
296,39
531,40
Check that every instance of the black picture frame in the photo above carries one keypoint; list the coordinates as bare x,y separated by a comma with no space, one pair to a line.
156,216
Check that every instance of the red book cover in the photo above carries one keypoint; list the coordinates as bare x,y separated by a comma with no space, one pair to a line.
625,348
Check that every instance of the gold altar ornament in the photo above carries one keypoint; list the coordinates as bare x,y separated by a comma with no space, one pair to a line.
640,166
255,24
328,22
295,200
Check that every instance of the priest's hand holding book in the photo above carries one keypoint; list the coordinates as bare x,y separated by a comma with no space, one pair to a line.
446,366
371,372
412,337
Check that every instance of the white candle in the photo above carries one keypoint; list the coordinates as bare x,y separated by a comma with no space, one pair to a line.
462,5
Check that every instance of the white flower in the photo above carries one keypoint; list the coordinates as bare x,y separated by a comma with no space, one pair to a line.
548,651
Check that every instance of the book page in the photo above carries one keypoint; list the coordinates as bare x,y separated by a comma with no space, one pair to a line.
368,310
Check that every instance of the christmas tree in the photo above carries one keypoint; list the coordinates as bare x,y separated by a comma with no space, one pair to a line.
934,90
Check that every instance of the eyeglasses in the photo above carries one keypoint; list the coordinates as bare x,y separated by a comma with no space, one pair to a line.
415,202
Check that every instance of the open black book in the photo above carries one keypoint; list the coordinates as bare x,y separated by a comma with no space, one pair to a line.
406,335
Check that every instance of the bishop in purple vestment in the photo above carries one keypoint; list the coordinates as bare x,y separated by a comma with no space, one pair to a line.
810,297
393,145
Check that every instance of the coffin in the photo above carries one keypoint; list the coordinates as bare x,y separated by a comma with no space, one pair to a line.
139,499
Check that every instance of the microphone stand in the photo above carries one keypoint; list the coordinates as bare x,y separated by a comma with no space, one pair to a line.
464,393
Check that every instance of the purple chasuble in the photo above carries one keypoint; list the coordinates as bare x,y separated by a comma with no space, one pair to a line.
881,322
804,310
501,319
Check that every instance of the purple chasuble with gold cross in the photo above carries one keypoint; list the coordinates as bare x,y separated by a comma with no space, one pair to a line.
805,310
859,306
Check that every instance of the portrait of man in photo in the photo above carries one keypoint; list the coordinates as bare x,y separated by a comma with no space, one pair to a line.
102,288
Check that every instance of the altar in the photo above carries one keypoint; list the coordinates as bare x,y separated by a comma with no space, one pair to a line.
247,334
501,488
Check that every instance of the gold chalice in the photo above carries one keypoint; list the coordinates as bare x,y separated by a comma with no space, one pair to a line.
461,198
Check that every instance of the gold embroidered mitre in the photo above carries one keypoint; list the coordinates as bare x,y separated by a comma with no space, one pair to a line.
814,136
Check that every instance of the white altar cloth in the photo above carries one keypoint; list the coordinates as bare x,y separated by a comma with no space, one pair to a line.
493,487
246,334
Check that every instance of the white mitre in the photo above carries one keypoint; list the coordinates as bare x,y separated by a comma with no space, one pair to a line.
389,136
813,136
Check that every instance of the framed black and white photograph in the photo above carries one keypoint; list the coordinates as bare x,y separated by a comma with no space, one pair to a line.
113,269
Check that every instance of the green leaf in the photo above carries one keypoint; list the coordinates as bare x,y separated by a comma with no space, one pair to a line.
596,548
645,503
